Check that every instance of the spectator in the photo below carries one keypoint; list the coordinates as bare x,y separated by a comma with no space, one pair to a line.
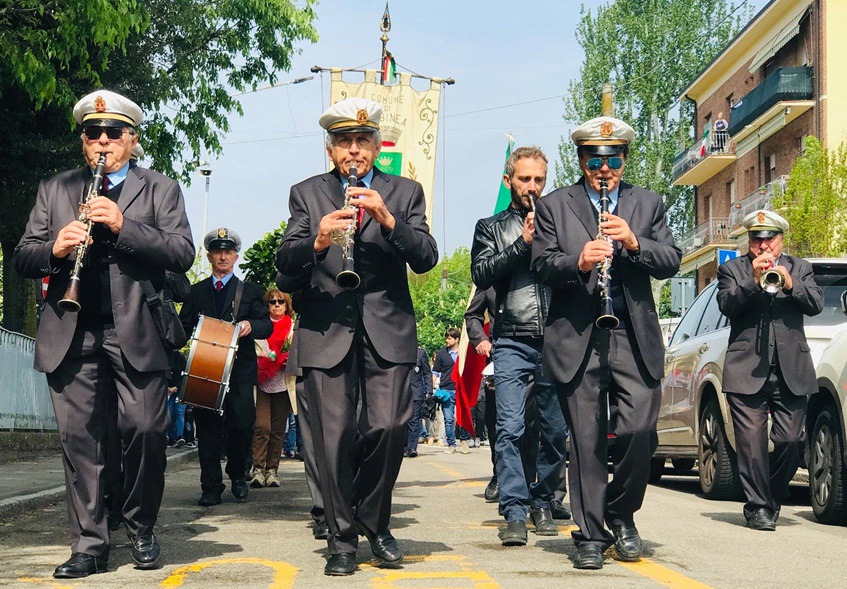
446,388
721,138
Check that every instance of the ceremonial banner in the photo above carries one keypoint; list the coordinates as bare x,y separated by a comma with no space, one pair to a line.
409,125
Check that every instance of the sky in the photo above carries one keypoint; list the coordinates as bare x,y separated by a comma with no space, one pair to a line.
512,64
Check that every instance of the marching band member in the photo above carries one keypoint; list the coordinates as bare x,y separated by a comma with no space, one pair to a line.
591,364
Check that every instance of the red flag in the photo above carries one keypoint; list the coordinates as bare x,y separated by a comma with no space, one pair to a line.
467,374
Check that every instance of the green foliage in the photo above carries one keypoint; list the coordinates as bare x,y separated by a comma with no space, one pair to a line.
437,309
258,260
815,202
650,50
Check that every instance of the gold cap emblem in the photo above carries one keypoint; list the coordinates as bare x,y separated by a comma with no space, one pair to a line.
760,218
362,116
605,129
222,232
100,104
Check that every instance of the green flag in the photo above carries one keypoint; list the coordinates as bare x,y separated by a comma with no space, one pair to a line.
504,197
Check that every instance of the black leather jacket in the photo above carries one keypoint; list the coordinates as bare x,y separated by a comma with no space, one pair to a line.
500,258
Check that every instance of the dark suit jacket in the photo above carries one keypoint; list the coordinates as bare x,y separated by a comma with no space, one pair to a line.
421,376
761,324
564,223
155,237
245,369
328,315
483,300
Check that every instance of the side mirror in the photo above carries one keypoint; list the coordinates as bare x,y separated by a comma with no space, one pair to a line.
844,302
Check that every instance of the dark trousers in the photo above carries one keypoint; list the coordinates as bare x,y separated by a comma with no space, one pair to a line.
413,428
272,411
237,420
357,413
611,373
491,424
764,478
478,414
93,375
308,451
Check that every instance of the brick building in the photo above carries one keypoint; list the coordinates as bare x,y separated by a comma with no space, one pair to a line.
755,104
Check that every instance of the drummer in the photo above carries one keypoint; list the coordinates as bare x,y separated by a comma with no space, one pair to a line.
223,296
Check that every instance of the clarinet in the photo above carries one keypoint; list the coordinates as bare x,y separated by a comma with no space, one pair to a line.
70,302
606,318
347,279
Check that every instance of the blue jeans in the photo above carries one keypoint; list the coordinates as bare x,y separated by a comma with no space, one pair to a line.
289,442
517,374
448,409
177,413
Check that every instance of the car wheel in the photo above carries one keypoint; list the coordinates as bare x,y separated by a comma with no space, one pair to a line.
657,469
827,470
718,466
683,463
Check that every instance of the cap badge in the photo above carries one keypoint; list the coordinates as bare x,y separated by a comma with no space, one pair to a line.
605,129
100,104
362,116
222,233
760,218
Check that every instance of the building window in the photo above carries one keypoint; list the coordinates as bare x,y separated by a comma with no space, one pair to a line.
770,168
730,191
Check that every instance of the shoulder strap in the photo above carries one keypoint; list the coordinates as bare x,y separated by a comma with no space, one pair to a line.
236,302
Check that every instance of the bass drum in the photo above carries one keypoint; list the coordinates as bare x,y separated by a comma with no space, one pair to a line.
205,381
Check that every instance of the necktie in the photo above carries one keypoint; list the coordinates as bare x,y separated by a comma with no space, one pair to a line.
106,185
219,284
360,217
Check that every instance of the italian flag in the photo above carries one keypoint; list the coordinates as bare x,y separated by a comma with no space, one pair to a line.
467,371
389,67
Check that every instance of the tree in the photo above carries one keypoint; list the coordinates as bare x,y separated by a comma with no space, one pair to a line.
815,202
650,50
437,309
179,59
259,259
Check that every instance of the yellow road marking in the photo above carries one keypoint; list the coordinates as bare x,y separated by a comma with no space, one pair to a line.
284,573
445,470
49,582
390,579
662,575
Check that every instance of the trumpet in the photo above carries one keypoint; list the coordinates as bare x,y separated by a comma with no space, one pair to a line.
772,281
70,302
347,278
606,318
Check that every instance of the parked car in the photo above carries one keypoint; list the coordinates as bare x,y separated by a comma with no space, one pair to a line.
694,420
826,422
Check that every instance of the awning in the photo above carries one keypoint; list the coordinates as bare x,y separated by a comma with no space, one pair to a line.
788,32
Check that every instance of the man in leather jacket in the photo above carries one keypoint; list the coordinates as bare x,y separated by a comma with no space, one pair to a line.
500,257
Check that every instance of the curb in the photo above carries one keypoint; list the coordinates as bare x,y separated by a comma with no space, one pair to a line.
22,503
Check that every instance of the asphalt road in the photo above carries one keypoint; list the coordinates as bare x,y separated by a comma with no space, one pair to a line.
449,535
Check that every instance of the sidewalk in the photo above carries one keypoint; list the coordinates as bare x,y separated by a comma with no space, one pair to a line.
33,483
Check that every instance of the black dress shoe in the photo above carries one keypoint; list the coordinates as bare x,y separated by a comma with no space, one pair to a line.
116,518
628,544
589,557
492,491
145,551
383,544
413,453
320,530
559,511
544,524
209,498
343,563
240,489
81,565
514,534
763,519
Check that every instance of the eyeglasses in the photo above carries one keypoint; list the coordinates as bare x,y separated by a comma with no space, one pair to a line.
346,141
595,163
113,133
276,302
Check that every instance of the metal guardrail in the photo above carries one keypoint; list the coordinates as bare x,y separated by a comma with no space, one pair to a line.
715,230
715,143
24,395
761,199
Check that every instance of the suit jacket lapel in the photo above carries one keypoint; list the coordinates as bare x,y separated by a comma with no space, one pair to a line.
382,184
232,286
133,185
626,203
76,187
583,208
331,187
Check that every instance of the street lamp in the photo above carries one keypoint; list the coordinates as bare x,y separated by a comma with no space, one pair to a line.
286,83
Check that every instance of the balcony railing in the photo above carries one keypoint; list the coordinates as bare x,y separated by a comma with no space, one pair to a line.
715,143
715,230
787,83
761,199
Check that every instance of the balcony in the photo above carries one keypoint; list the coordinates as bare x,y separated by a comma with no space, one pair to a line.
703,160
789,92
713,231
761,199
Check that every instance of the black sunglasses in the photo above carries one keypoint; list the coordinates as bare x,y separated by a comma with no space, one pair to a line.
595,163
276,302
113,133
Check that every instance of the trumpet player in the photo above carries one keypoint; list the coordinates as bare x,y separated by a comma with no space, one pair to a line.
109,351
356,344
768,366
601,372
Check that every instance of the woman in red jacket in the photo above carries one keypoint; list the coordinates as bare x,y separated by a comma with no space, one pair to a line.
272,402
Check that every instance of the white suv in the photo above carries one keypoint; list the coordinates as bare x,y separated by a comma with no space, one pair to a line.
694,421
